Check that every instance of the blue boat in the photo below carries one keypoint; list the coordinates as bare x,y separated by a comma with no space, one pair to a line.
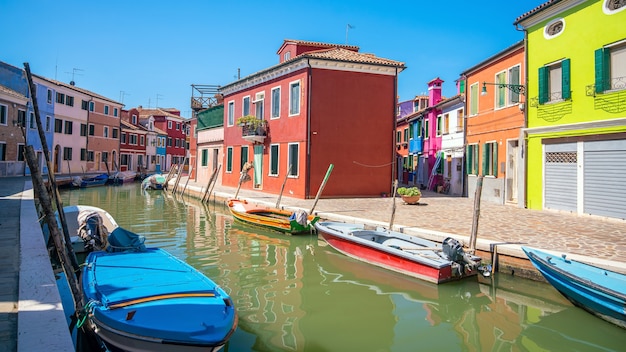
83,182
599,291
145,299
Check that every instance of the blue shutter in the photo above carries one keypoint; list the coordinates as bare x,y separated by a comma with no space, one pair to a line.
566,92
543,85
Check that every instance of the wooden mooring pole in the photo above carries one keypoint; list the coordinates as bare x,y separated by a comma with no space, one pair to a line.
474,234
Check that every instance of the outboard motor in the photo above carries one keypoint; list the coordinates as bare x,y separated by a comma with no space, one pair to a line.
454,251
92,231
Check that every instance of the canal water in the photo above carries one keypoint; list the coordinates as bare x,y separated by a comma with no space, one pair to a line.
294,293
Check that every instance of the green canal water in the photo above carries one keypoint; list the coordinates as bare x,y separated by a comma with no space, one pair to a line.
293,293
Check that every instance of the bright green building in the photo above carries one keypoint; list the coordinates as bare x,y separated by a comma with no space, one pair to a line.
575,140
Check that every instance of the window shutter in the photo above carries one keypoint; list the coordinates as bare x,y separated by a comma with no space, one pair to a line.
543,85
565,80
485,151
602,58
468,160
462,86
494,152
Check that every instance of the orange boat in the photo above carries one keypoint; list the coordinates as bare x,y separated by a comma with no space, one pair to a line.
289,222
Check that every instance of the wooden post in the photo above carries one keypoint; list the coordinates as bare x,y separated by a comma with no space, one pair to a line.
280,195
393,207
167,179
219,167
53,227
180,172
474,234
51,177
319,192
188,177
209,185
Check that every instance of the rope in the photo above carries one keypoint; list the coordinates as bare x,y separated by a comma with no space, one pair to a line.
364,165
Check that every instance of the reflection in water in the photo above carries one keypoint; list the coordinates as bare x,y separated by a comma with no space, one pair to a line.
293,293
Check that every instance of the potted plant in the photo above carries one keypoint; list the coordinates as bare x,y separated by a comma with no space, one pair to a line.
410,195
250,121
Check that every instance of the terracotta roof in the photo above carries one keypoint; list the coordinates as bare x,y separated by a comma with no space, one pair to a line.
535,10
341,54
143,113
80,90
11,92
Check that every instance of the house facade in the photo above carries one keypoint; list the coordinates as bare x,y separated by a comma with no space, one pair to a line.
170,122
405,135
210,144
495,116
450,122
133,141
13,109
310,119
576,133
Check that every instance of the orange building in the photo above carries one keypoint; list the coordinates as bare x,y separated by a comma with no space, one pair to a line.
322,104
495,105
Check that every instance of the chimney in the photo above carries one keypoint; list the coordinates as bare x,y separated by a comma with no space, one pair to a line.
434,91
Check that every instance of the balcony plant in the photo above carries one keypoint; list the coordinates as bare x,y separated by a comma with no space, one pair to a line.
410,195
251,121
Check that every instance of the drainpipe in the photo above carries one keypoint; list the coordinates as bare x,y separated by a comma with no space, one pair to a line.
394,167
307,181
87,134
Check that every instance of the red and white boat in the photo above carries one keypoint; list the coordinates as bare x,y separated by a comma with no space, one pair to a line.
402,253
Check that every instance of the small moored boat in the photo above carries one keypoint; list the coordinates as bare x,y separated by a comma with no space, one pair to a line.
155,181
289,222
121,177
145,299
399,252
599,291
83,182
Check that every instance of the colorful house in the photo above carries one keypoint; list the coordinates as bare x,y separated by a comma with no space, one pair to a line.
133,141
495,105
575,141
13,108
426,143
450,127
169,121
322,104
210,143
407,158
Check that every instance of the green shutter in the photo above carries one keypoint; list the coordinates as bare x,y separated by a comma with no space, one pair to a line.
602,62
462,86
565,80
468,160
543,85
485,153
494,152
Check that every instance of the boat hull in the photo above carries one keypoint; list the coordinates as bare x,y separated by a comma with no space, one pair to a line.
270,218
155,182
395,251
599,291
152,301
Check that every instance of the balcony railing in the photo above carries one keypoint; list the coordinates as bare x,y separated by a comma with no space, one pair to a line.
254,132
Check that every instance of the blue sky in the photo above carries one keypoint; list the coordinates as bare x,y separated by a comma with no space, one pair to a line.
149,53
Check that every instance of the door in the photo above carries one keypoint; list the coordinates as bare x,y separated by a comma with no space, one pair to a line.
511,171
258,166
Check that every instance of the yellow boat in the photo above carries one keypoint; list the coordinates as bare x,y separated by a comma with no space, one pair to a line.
286,221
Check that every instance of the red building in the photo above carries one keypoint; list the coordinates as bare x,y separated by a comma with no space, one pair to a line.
322,104
133,140
170,121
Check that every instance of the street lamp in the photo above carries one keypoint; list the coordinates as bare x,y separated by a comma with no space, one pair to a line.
516,88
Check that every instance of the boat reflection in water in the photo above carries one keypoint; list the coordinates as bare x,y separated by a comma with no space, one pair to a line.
292,293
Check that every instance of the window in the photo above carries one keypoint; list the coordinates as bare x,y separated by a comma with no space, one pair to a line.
132,139
398,137
169,125
90,155
490,159
610,64
92,129
115,132
460,120
231,113
177,126
83,154
554,28
106,132
21,118
275,103
68,127
60,98
445,128
69,100
3,114
406,135
84,105
259,108
83,129
287,55
439,125
205,157
246,106
49,96
420,129
106,109
134,119
294,98
3,151
92,106
67,153
613,6
244,157
229,159
274,160
292,157
48,123
105,156
58,126
115,112
554,83
142,140
514,78
32,120
501,90
416,106
123,139
473,99
426,129
471,159
169,141
20,152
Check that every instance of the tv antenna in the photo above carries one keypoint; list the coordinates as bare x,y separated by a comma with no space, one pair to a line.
157,100
74,73
122,95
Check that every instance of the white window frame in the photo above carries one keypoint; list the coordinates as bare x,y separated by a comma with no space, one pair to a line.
511,94
245,106
4,115
169,124
294,110
105,132
271,160
294,173
474,96
230,114
276,108
500,91
106,109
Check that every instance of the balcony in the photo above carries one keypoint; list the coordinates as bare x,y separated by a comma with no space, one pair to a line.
415,145
254,131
